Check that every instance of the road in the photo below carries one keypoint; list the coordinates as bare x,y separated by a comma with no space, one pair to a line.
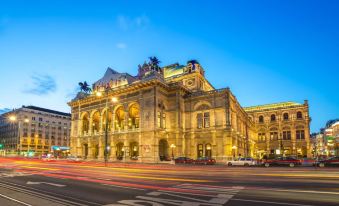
39,183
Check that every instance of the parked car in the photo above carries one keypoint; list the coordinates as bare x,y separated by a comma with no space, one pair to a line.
332,161
204,161
48,158
74,158
242,162
183,160
282,161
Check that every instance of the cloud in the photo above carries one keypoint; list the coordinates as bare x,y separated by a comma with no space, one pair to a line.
121,45
42,85
4,110
139,22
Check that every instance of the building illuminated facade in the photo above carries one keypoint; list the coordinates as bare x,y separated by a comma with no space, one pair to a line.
34,131
161,112
282,129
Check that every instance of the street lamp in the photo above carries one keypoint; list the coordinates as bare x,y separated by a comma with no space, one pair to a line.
172,146
234,148
114,100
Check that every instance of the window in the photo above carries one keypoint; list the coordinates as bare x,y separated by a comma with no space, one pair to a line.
40,119
33,118
164,120
261,137
200,150
273,118
199,120
285,116
299,115
159,119
286,135
300,134
261,119
206,119
273,136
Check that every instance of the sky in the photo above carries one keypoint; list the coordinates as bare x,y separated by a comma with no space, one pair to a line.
265,51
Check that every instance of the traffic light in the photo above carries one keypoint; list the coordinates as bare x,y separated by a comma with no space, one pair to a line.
1,146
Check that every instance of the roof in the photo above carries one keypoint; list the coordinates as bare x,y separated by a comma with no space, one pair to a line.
274,106
111,74
47,110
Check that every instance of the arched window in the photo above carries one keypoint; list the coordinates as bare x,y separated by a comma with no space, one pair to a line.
273,118
208,150
161,116
133,120
299,115
85,124
285,116
96,122
261,119
119,118
200,151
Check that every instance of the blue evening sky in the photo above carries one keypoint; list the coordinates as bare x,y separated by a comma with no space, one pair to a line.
265,51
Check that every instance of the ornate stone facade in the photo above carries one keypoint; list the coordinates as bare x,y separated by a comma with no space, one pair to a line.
161,112
282,128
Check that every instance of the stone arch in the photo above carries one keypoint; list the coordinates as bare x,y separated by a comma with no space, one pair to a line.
85,123
134,149
202,105
119,116
103,119
95,121
163,149
119,152
133,115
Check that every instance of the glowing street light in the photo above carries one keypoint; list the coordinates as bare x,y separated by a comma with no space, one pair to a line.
12,118
234,148
172,146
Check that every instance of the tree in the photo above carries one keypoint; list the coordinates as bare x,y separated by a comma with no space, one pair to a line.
154,63
85,87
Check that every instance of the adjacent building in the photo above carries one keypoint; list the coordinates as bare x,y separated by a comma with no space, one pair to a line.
282,129
34,131
331,139
176,111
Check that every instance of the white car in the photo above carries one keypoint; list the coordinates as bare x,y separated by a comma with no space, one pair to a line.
242,162
74,158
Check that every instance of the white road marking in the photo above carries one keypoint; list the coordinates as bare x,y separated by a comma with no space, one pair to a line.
15,200
46,183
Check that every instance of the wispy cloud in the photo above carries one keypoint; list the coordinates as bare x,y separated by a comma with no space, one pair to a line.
121,45
42,85
4,110
139,22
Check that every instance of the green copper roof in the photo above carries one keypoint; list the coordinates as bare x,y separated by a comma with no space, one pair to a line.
280,105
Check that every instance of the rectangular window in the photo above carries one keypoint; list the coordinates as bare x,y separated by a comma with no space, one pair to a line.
261,137
300,134
199,120
159,119
206,119
273,136
164,120
286,135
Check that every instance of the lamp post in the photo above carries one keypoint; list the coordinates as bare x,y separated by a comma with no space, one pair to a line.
234,148
172,146
107,148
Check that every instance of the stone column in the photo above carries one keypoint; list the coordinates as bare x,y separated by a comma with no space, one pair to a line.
101,148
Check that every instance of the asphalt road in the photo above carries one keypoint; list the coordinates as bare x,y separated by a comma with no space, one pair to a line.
34,182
